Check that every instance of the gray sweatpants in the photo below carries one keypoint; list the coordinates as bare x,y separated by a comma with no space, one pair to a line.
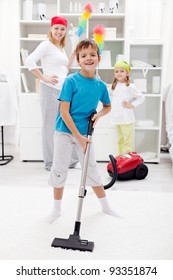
50,108
64,143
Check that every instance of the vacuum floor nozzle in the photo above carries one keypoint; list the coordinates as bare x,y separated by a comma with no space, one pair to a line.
74,242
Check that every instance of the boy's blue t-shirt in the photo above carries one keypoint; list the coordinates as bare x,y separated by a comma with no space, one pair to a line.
84,95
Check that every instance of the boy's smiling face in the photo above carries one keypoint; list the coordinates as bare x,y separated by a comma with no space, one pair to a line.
88,59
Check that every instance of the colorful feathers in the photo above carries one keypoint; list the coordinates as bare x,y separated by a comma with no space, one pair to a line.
99,35
88,8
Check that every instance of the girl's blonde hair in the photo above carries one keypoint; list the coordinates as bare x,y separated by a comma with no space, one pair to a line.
62,43
115,81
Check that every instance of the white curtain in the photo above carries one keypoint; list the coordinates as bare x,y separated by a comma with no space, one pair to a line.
152,19
167,37
9,58
9,36
144,18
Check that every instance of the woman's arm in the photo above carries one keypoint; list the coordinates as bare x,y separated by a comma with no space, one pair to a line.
34,57
138,96
71,59
47,79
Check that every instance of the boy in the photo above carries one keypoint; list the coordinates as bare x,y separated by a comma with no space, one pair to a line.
79,97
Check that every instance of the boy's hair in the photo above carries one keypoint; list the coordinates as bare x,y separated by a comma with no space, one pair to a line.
84,44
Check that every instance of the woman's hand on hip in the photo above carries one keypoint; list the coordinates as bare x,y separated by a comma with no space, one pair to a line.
51,80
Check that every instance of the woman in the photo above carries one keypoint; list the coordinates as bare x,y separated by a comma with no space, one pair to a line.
55,66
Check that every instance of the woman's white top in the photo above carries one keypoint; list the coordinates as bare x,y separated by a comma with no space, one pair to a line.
120,115
54,61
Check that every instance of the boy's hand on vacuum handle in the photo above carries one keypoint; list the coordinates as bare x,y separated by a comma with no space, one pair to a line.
83,142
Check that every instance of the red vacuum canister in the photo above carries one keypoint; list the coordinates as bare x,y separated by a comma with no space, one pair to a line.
128,166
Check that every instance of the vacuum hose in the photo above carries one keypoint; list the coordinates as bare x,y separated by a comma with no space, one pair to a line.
114,175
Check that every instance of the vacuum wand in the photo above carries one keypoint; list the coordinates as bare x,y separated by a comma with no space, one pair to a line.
74,241
82,190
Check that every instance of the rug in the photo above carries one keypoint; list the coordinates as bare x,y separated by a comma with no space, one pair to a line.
144,232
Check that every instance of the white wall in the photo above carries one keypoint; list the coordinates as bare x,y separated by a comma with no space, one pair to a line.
150,19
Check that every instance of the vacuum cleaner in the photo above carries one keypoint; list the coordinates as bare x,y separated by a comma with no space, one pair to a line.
74,241
128,166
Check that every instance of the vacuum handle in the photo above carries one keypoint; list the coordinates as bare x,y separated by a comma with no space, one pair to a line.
82,190
90,125
86,157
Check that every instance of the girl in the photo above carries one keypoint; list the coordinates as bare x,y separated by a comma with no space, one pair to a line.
125,97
